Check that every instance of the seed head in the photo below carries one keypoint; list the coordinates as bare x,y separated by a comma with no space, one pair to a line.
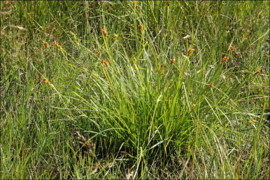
224,59
141,28
168,4
105,62
115,37
258,71
104,32
172,61
46,45
57,45
231,49
46,81
99,53
190,51
135,3
211,84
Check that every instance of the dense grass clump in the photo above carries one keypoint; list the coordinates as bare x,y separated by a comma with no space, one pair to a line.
134,89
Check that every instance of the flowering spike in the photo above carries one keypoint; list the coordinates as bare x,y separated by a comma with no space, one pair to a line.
105,62
57,45
190,51
46,81
224,59
46,45
104,32
135,3
115,37
231,49
141,28
258,71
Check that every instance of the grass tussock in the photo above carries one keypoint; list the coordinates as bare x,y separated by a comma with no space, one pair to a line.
134,90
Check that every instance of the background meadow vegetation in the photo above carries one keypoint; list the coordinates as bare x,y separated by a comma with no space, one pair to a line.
134,89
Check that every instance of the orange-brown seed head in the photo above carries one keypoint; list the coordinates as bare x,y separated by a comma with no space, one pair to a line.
211,84
231,49
105,62
224,59
57,45
104,31
141,28
46,45
46,81
190,51
258,71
